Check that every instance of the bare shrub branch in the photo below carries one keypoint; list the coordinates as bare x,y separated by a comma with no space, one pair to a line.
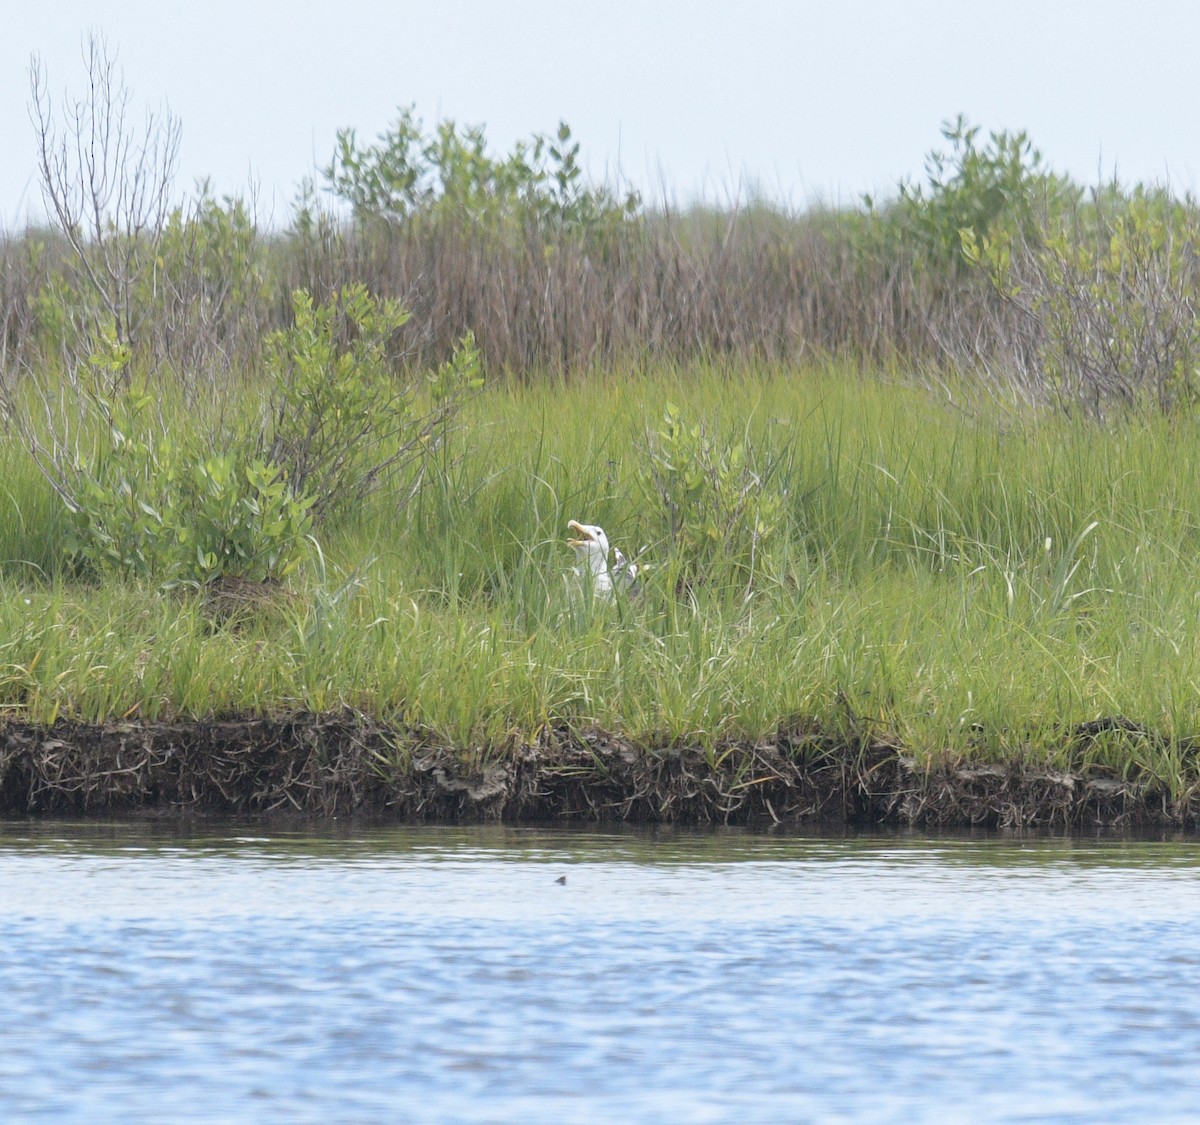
106,182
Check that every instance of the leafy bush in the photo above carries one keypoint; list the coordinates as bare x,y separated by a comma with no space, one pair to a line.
148,505
999,185
1109,301
715,497
207,297
184,504
342,416
409,172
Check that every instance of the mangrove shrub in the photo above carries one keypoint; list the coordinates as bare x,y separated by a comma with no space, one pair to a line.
1108,300
409,171
715,496
342,414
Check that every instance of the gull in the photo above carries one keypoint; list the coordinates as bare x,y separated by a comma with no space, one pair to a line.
592,549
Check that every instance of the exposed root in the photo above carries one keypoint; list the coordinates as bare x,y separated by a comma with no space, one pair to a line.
347,763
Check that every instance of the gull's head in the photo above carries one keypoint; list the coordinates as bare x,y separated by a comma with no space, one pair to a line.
590,544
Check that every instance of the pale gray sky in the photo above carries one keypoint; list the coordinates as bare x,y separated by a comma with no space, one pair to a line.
810,98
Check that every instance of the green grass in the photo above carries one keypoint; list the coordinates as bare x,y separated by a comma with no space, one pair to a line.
970,584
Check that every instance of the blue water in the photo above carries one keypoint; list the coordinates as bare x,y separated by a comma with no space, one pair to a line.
446,975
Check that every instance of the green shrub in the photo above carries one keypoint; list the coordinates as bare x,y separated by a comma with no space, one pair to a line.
208,296
169,509
988,187
410,172
342,414
1108,300
716,497
154,495
239,518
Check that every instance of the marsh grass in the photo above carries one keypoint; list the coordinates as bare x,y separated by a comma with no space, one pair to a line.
970,587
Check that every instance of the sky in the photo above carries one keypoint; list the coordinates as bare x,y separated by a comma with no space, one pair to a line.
805,101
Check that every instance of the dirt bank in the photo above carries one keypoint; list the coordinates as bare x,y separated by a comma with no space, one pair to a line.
347,763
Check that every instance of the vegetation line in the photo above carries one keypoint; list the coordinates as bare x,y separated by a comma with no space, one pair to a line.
900,500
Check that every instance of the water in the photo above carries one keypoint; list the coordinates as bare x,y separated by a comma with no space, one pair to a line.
225,974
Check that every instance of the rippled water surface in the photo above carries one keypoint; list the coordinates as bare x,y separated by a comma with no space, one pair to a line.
223,973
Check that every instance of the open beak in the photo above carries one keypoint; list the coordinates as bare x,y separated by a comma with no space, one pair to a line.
575,525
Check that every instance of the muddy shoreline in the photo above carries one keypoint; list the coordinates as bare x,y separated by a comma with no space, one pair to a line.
348,764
